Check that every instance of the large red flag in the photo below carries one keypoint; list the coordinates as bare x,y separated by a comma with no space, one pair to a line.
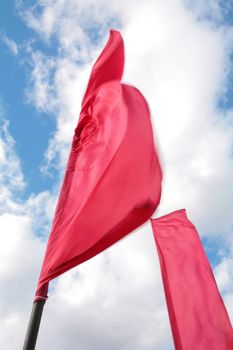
198,317
113,176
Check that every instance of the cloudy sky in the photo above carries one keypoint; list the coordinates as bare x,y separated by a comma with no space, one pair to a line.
179,54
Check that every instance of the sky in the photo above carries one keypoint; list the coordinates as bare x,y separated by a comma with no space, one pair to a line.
179,54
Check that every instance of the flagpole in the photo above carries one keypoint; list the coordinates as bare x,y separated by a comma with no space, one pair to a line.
33,326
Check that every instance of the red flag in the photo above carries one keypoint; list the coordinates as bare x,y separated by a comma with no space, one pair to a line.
198,317
113,177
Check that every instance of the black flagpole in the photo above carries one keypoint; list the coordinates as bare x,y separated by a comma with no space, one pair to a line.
33,326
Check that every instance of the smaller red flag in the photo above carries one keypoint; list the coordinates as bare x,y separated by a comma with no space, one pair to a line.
198,317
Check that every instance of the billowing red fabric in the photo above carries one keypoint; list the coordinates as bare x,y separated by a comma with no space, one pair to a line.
113,177
198,317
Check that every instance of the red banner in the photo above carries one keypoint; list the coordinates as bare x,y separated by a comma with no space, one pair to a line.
198,317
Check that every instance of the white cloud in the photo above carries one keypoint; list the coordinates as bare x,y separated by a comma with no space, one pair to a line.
21,250
224,277
215,11
11,44
11,177
41,79
182,66
20,257
183,71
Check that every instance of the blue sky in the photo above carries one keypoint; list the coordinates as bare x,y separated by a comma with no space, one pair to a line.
181,59
29,127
